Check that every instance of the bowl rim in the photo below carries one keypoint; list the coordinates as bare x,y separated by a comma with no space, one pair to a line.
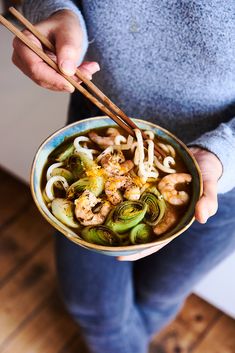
78,240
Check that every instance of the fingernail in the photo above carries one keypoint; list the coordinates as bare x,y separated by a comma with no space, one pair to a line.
89,76
68,67
97,67
204,220
204,217
69,88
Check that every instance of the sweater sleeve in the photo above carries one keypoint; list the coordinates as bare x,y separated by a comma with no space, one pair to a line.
221,142
36,11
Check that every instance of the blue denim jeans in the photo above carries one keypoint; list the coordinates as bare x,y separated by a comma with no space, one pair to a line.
120,305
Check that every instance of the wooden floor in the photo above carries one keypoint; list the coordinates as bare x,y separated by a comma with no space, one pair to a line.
32,318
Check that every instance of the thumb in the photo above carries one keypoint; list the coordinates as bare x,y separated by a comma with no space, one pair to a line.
207,206
68,47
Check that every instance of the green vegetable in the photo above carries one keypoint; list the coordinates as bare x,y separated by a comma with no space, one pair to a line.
126,215
76,166
156,206
63,210
93,184
64,173
140,234
88,163
62,152
100,235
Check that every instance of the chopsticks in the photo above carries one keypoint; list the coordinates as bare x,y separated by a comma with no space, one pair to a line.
110,109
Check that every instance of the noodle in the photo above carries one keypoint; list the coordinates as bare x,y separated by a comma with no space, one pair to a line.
51,182
51,168
125,182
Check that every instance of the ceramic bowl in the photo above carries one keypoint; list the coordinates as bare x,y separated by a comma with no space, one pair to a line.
76,128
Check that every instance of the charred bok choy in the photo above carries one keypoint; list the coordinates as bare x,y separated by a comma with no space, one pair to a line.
126,215
142,233
101,235
156,206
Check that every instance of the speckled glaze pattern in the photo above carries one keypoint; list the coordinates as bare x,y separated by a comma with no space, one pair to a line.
78,127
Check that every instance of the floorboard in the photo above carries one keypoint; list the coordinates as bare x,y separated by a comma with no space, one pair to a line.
23,236
219,339
25,291
195,319
14,197
48,330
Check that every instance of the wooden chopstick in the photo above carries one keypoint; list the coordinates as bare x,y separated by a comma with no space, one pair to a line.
128,124
51,63
83,78
32,29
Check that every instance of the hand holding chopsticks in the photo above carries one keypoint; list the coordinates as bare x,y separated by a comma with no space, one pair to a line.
103,103
64,29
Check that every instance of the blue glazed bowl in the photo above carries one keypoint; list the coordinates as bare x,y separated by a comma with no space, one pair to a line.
76,128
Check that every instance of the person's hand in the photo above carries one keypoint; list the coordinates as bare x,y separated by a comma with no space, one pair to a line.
64,31
211,169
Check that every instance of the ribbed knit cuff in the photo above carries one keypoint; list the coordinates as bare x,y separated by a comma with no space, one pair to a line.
37,11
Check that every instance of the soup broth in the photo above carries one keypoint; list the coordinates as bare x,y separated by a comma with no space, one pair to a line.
111,189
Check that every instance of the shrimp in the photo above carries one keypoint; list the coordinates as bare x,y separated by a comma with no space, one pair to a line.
106,141
132,193
126,167
167,221
115,164
111,188
114,184
167,187
84,209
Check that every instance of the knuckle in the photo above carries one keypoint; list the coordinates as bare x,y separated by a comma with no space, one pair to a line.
15,43
15,61
61,87
40,82
48,85
32,37
35,73
27,33
33,76
69,49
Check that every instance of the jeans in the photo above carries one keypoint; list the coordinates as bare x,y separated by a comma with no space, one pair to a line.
120,305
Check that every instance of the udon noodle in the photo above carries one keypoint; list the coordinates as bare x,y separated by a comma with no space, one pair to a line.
112,190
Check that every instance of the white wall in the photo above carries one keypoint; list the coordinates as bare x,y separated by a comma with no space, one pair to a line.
28,113
218,287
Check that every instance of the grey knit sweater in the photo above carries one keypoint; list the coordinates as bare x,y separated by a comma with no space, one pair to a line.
170,62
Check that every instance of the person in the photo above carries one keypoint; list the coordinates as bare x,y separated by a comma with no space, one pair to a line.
172,63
